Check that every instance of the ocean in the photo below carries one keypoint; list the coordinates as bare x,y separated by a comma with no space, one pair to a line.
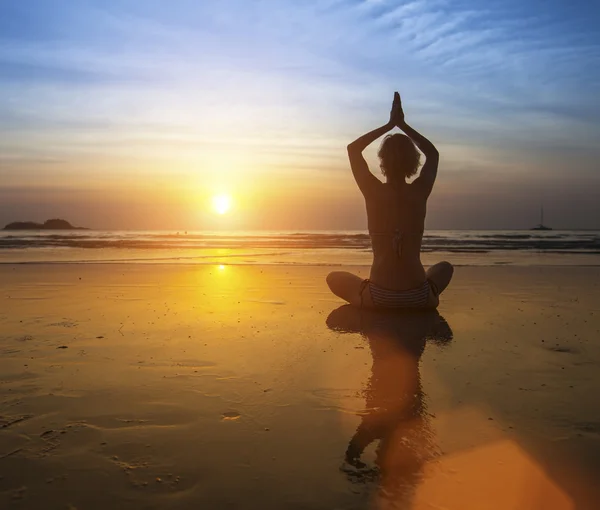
340,248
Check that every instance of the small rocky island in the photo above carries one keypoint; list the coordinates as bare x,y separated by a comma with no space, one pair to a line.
54,224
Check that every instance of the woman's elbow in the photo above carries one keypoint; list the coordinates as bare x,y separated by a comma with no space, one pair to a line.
353,149
432,153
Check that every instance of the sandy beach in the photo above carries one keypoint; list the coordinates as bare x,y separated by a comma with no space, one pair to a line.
203,386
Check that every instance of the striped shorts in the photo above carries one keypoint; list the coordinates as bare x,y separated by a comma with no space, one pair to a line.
387,298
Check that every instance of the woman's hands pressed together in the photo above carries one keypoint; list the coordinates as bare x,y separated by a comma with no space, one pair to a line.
396,114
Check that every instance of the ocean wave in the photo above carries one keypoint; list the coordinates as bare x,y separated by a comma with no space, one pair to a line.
437,241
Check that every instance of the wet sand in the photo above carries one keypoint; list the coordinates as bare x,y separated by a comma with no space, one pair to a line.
146,386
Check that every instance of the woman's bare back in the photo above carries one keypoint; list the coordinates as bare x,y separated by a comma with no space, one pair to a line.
396,218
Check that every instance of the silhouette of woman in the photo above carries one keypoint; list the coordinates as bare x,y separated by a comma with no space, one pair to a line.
396,413
396,213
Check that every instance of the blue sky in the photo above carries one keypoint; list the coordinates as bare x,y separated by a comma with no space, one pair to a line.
259,98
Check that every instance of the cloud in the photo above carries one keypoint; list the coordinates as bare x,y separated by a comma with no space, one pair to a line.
293,81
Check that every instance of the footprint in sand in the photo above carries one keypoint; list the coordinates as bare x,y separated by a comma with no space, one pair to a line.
64,324
566,350
230,416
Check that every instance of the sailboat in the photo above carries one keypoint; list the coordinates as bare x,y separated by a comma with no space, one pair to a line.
541,226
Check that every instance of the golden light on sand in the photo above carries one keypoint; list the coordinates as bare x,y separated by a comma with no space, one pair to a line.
221,203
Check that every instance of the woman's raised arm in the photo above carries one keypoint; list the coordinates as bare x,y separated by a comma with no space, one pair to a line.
364,178
428,173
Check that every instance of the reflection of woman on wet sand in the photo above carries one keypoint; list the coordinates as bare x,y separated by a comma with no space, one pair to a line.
396,213
395,413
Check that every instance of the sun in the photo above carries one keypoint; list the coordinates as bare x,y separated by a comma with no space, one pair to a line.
221,203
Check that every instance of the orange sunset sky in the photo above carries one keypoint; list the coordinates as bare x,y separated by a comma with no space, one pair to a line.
134,115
